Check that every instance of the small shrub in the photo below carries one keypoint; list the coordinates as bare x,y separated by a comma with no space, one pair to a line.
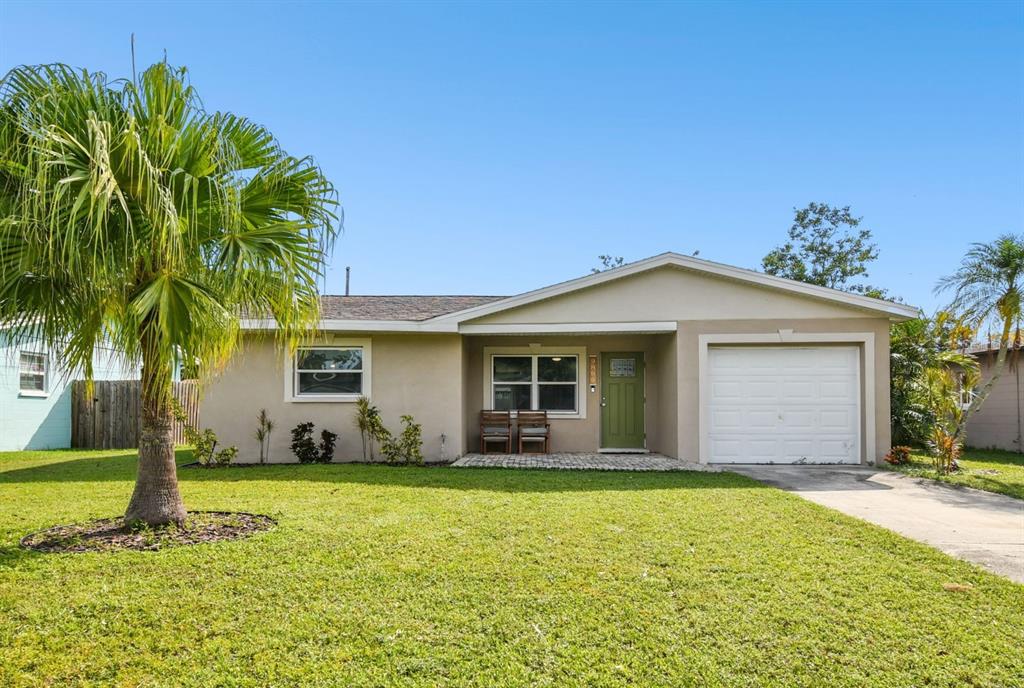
407,447
898,456
204,442
327,440
306,450
946,450
225,456
371,427
263,430
303,445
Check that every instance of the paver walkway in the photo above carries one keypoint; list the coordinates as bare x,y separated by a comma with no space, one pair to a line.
580,461
982,527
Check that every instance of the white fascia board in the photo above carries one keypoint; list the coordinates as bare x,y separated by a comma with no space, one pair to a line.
893,310
363,325
570,328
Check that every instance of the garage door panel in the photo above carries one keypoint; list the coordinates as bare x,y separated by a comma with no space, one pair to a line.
760,451
799,390
731,451
756,420
837,420
796,404
794,420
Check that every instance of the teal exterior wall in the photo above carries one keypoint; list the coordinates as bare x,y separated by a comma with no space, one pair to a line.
44,422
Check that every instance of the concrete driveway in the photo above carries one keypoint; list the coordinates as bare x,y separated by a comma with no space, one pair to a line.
982,527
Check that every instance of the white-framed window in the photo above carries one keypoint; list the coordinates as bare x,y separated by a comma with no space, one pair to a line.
33,373
535,378
329,372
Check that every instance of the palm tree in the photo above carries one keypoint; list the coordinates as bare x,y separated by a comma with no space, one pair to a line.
131,217
987,288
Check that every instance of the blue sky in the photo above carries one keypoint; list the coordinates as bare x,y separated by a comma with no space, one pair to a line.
499,147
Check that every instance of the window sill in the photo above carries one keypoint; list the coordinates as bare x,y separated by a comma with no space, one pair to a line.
33,395
324,399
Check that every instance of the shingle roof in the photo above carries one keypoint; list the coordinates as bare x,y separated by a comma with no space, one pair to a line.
396,307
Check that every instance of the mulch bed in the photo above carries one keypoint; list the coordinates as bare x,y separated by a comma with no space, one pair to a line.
111,534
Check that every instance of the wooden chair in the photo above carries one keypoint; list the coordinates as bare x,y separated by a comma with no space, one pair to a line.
534,427
495,426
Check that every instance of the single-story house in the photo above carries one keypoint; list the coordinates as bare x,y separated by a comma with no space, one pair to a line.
999,421
35,392
671,354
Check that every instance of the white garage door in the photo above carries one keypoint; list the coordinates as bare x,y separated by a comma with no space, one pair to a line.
784,404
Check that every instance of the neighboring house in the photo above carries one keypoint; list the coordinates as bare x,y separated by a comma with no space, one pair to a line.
998,423
35,393
671,354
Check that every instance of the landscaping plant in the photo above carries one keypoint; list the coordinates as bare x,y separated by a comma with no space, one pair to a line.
131,218
371,427
263,430
204,442
898,455
917,349
306,449
945,391
407,448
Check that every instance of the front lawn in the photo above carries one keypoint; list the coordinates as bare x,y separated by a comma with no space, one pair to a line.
992,470
379,576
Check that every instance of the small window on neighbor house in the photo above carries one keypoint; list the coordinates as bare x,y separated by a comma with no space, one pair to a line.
329,371
32,372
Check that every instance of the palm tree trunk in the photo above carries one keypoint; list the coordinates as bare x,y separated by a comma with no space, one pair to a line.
156,500
986,389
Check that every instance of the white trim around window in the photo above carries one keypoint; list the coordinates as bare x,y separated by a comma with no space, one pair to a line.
292,373
533,352
29,366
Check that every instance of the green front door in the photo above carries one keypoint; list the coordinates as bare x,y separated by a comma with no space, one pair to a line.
622,401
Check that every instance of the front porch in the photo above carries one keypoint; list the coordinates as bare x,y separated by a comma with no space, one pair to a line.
582,461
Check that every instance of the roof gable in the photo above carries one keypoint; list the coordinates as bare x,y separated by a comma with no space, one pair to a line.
725,273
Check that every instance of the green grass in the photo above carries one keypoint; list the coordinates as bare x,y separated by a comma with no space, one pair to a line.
992,470
380,576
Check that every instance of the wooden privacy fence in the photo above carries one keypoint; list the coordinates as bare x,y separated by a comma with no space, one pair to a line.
109,418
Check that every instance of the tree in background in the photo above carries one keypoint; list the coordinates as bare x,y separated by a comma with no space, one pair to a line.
826,247
987,290
131,216
608,262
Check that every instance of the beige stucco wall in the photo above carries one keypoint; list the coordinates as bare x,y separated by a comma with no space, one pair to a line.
997,424
583,434
671,293
420,375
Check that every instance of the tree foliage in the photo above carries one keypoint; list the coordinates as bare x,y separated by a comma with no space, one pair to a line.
608,262
927,374
130,216
986,289
826,247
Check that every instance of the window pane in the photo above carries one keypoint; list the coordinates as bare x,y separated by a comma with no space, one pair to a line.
557,397
32,372
556,369
512,397
330,359
32,383
330,383
513,369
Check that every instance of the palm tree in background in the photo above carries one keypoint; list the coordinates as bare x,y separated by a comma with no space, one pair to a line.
987,289
130,217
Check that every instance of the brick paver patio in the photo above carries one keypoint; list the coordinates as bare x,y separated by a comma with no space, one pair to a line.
582,461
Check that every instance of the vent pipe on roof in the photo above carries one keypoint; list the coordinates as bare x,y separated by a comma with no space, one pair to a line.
348,271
